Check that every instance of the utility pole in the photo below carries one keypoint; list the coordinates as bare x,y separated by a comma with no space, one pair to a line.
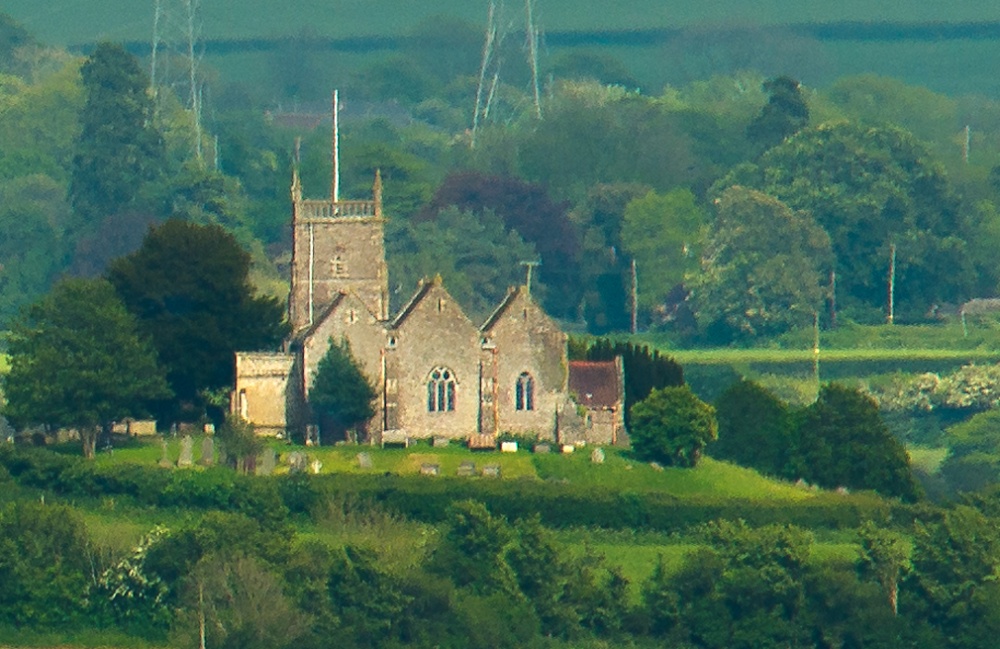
635,299
892,282
967,144
154,47
532,33
335,179
488,41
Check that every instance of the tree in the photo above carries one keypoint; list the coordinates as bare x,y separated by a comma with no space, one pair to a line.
841,441
672,426
761,270
663,234
477,256
341,396
754,428
44,566
189,287
870,188
119,149
885,556
239,440
78,360
784,114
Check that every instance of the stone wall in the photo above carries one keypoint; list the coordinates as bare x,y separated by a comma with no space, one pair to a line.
265,391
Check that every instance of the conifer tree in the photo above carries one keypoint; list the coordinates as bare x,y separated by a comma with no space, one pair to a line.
341,396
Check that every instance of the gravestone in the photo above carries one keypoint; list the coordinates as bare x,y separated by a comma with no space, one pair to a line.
430,469
542,448
207,452
441,442
208,429
467,469
491,471
186,458
316,467
656,466
265,462
568,448
597,456
365,461
165,462
508,447
296,462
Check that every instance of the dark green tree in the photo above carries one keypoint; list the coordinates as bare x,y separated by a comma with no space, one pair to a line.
239,441
645,369
754,428
473,551
841,441
672,426
189,287
119,149
78,360
784,114
341,397
44,566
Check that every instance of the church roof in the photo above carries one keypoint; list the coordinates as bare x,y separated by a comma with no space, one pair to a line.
505,303
422,291
307,333
596,384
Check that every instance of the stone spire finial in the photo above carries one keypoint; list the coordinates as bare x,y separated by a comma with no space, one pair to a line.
377,192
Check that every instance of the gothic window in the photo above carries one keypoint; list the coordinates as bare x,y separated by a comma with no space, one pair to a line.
524,392
441,390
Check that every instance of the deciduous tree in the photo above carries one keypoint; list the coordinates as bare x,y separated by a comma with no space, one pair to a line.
77,359
672,426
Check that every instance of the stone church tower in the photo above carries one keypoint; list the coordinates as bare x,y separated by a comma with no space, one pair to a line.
337,246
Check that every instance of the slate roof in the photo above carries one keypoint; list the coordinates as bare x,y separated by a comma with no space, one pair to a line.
596,384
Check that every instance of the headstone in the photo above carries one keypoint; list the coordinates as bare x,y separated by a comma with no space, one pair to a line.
208,429
296,462
491,471
656,466
508,447
207,452
316,467
466,469
165,456
186,458
542,448
842,491
568,448
441,442
597,456
430,469
266,462
365,461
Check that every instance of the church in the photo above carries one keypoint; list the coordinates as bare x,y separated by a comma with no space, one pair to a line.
435,372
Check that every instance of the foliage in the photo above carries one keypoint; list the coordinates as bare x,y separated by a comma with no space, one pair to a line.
754,428
870,188
188,286
885,558
473,551
119,148
784,114
78,360
44,565
240,442
840,440
476,255
340,393
527,209
134,599
762,270
645,369
663,233
672,426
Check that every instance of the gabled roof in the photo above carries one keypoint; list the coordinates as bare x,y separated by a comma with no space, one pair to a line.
422,290
505,303
325,313
596,384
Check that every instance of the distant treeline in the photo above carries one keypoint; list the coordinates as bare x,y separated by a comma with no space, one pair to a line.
823,31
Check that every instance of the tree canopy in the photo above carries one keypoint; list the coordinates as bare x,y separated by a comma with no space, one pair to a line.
341,396
189,287
78,360
672,426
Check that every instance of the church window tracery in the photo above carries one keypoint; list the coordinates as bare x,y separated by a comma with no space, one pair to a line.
441,390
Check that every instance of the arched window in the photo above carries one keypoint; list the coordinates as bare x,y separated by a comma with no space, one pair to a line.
524,392
441,390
